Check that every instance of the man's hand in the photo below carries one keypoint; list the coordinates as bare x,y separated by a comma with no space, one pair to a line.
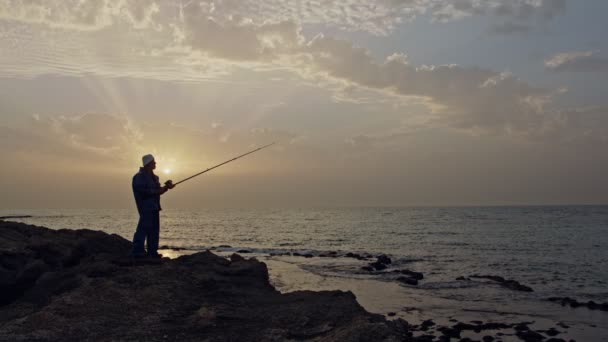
169,184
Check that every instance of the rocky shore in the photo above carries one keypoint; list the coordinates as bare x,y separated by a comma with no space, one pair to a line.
81,285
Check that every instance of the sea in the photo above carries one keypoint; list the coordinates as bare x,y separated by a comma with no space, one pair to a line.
558,251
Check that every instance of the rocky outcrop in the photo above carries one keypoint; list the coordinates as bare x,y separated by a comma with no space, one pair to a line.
79,285
591,305
508,283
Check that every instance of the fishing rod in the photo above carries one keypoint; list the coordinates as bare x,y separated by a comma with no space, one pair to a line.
171,184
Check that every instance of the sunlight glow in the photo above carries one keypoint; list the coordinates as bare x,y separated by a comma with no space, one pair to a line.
167,171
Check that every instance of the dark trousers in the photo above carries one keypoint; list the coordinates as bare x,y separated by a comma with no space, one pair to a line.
148,228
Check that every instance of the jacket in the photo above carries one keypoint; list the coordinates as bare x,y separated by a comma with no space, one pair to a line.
146,190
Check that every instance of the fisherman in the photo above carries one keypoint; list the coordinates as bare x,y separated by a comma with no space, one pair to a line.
147,191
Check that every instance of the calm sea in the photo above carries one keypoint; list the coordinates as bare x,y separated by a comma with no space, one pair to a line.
556,250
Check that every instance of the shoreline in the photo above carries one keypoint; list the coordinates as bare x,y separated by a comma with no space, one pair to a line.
405,311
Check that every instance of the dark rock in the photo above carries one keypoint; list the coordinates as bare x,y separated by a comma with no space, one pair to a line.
411,274
487,338
552,332
384,259
296,254
243,251
80,285
391,314
573,303
368,268
408,280
449,332
510,284
378,266
529,336
563,325
555,340
308,255
428,323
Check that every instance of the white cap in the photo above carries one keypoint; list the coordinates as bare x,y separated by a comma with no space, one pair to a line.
147,159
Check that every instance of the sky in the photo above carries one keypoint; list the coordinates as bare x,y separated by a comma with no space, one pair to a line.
371,103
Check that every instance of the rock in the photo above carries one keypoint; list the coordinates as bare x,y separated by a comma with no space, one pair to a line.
510,284
384,259
391,314
552,332
555,340
243,251
449,332
378,266
487,338
80,285
411,274
368,268
355,256
529,336
408,280
308,255
573,303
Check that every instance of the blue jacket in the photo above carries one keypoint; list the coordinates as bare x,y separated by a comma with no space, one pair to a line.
146,189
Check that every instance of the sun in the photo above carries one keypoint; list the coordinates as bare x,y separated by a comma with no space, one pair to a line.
167,171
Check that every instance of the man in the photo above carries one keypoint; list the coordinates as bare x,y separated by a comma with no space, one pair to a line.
147,191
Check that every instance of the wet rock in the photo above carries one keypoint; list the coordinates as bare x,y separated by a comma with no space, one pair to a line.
100,294
529,336
378,266
552,332
308,255
384,259
510,284
411,274
425,325
243,251
391,314
408,280
449,332
591,305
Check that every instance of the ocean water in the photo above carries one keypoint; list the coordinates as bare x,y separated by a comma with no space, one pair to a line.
556,250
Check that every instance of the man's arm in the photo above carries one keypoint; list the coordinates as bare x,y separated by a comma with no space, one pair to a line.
141,186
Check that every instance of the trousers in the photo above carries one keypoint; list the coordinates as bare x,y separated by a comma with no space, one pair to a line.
148,229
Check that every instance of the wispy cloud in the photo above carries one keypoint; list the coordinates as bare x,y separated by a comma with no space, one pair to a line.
577,61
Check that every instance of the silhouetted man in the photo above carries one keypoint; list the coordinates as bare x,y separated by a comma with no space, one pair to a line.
147,191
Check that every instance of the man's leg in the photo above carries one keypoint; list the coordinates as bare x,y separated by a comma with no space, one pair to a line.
139,237
153,233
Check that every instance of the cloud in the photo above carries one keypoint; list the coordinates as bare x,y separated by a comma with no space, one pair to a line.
80,15
577,61
99,134
468,98
378,17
